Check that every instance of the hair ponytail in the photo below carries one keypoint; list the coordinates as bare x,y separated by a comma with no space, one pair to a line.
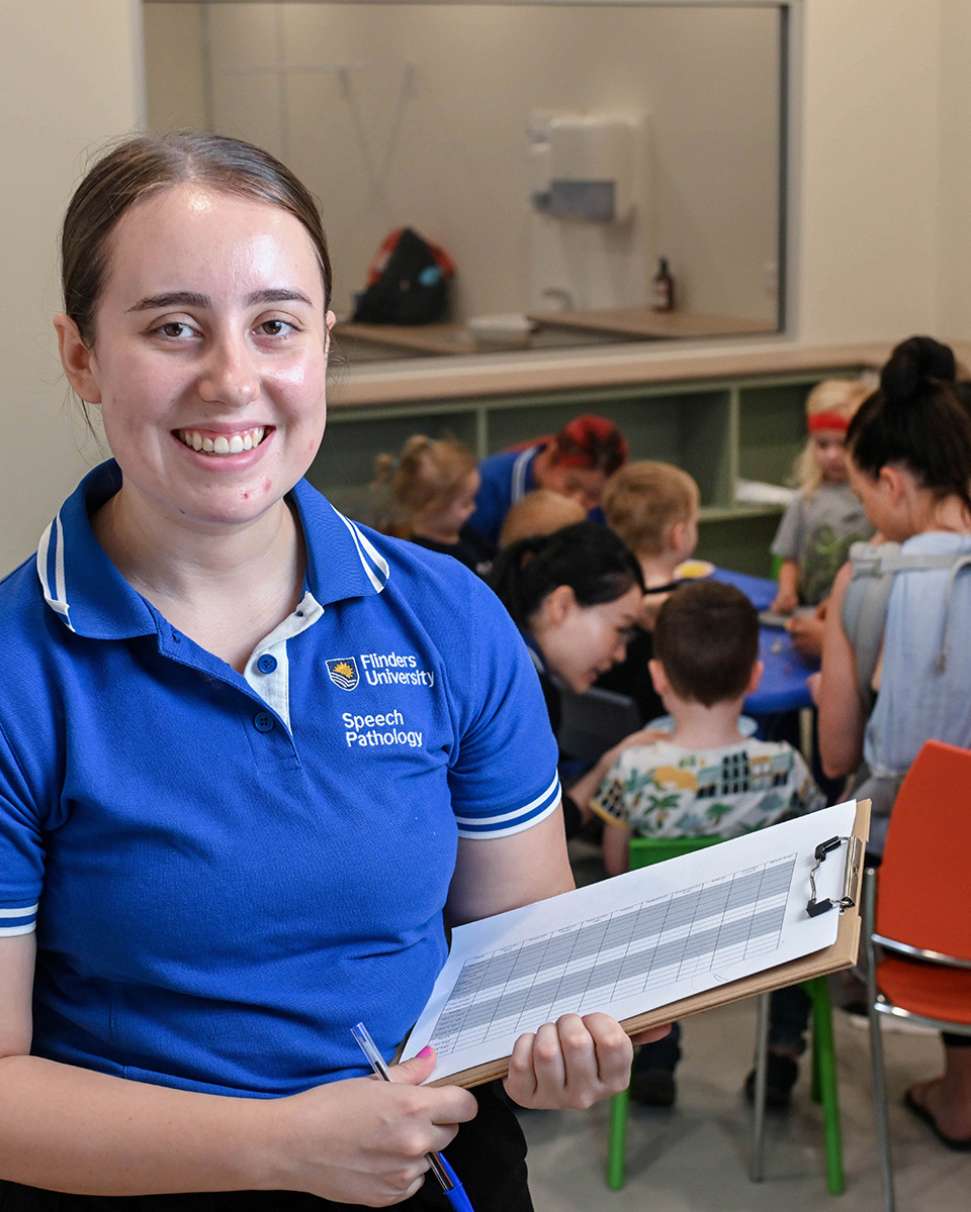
918,419
589,558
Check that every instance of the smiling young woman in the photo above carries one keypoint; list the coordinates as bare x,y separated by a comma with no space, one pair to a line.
206,874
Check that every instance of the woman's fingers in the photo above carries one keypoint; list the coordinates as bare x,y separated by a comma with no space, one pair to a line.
614,1051
580,1060
548,1062
520,1083
651,1035
573,1062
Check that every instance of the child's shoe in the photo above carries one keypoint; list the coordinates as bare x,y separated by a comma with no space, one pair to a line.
653,1087
782,1073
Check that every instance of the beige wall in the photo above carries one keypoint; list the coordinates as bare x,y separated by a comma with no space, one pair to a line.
954,210
70,79
418,114
869,211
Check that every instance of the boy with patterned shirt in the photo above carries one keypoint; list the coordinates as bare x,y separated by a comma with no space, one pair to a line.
707,779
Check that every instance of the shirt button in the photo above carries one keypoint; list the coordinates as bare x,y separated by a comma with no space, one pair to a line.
263,721
266,663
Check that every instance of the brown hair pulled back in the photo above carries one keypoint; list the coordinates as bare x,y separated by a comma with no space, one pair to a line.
147,163
918,418
427,474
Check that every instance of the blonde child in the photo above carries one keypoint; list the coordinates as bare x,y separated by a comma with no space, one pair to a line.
540,512
653,508
820,524
430,492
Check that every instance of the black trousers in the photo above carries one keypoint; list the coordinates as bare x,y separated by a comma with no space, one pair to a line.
489,1155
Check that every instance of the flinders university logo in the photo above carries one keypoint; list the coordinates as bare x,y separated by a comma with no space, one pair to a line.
342,671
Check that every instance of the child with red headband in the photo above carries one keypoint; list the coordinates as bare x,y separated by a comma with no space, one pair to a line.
820,524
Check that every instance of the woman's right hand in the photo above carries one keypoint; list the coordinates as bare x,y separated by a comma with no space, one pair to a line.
364,1141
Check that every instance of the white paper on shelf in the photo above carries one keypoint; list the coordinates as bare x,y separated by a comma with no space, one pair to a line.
758,492
635,942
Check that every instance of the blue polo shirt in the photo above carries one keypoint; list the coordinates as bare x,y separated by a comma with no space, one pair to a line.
227,871
505,478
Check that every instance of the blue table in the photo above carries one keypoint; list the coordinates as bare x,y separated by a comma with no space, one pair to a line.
783,686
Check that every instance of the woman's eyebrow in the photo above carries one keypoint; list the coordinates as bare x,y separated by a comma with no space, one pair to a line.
189,298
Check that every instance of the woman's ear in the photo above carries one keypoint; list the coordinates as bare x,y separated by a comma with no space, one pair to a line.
77,359
558,604
893,482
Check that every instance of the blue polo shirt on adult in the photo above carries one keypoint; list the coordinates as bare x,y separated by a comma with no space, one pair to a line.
227,871
504,479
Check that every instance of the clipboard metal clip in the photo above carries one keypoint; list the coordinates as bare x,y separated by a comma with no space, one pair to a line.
854,861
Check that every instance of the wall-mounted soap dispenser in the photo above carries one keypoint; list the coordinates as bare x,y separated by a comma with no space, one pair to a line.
590,162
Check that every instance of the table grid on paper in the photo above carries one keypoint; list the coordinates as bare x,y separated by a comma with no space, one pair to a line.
617,956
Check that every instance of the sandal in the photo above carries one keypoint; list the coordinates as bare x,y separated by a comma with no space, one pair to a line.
957,1144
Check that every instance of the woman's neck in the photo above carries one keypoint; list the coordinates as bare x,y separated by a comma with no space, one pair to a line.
928,513
224,589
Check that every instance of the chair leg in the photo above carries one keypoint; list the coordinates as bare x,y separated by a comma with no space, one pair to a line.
761,1073
878,1074
880,1109
617,1140
824,1052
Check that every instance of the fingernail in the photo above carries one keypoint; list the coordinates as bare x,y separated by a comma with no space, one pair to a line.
426,1051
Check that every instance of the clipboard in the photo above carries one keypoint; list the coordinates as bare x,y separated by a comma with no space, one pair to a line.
840,955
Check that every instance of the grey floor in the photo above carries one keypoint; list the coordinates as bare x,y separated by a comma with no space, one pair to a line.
695,1158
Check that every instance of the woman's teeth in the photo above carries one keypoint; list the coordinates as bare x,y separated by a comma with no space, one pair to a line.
244,440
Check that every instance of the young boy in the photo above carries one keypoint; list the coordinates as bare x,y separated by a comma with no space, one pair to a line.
707,778
653,508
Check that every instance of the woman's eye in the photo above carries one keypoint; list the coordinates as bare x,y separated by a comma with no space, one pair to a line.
276,328
174,330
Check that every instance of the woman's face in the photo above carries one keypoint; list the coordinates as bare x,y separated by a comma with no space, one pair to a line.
885,500
209,355
580,643
582,484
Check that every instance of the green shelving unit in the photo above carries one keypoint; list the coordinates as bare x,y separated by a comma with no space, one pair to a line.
717,431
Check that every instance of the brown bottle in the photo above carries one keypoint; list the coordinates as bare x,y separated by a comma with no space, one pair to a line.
662,288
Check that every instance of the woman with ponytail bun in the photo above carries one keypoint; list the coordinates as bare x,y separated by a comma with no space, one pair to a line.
910,464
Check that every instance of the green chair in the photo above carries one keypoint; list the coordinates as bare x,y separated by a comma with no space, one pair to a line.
643,853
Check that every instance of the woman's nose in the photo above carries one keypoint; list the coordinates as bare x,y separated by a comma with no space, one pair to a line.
229,376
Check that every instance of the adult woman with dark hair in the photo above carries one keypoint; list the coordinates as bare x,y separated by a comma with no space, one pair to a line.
910,464
254,757
576,596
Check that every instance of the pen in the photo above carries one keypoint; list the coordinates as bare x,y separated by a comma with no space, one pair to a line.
447,1178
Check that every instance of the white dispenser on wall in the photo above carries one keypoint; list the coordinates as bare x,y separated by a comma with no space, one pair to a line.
590,162
590,222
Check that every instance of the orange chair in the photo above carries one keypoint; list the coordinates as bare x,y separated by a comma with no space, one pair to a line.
915,909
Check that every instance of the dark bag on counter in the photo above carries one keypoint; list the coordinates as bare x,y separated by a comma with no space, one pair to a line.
407,282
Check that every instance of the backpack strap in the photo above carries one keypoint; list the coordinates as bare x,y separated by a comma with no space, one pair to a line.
868,597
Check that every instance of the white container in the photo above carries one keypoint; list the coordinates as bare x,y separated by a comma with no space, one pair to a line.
508,330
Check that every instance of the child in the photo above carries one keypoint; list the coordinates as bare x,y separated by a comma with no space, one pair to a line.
705,779
653,507
431,487
821,523
538,513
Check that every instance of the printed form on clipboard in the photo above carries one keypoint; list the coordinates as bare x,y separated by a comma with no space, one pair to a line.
729,921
